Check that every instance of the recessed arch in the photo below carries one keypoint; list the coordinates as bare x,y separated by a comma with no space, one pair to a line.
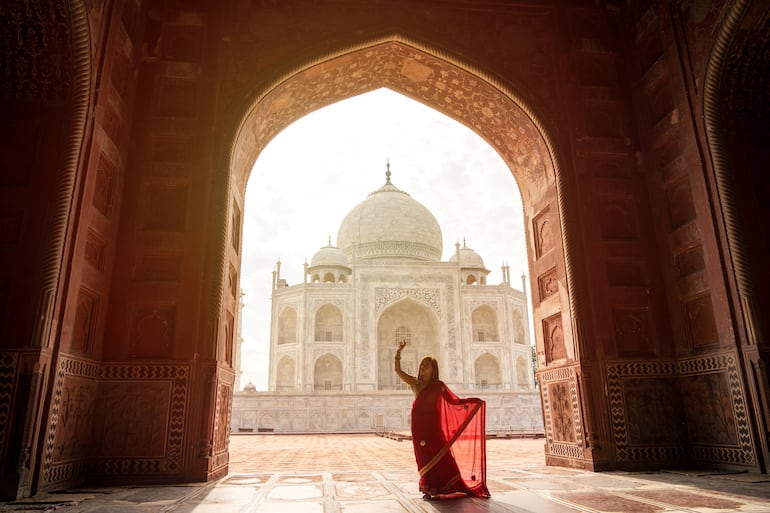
328,324
287,326
487,372
410,320
484,324
286,374
713,122
327,373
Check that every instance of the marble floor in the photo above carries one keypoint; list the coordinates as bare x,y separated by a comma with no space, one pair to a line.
371,474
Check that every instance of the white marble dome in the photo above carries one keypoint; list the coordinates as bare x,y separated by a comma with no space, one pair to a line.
468,257
390,225
329,256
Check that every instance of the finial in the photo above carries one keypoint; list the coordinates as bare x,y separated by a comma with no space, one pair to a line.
464,243
387,171
330,240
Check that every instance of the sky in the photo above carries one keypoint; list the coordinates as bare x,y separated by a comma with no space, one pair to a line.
317,169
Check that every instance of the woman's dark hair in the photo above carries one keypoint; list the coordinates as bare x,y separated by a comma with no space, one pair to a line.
434,366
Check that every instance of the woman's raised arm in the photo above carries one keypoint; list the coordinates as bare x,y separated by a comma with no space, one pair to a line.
406,378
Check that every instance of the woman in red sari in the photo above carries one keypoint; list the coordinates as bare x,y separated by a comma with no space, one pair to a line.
448,434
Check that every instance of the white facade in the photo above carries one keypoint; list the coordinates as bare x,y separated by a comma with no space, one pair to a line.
333,337
386,282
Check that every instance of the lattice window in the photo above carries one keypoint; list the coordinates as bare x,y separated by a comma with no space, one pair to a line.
402,333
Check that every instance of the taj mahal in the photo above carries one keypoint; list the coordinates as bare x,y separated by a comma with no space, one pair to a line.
333,336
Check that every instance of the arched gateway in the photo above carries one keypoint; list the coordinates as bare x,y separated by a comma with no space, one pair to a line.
128,132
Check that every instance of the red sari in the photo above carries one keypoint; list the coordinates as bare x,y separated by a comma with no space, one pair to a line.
449,440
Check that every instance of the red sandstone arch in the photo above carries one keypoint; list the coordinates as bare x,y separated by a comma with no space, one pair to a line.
494,112
732,56
457,89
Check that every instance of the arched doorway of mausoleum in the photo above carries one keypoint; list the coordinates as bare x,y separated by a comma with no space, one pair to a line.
413,322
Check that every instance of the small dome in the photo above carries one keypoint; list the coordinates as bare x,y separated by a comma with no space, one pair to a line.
329,256
468,257
249,387
389,224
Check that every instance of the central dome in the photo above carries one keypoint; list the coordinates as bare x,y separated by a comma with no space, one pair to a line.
390,225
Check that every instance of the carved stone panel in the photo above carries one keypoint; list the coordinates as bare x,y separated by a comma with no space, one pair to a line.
157,267
229,338
95,250
561,412
121,74
700,321
9,363
548,284
632,330
145,435
76,411
170,148
182,43
645,411
681,207
653,411
36,40
605,119
235,227
138,427
232,282
690,261
104,189
544,233
386,296
626,273
85,321
152,332
617,220
716,410
222,417
709,409
553,335
165,207
175,97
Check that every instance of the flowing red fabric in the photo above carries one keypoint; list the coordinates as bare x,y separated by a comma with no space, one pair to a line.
449,437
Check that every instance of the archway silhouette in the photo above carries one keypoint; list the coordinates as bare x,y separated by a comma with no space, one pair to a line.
495,113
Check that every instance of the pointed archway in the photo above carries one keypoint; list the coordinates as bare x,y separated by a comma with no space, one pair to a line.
413,322
499,116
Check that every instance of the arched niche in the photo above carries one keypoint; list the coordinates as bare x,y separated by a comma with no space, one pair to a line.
487,372
484,324
414,322
287,326
328,324
327,373
285,376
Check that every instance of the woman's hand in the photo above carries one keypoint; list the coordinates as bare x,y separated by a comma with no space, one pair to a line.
401,345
